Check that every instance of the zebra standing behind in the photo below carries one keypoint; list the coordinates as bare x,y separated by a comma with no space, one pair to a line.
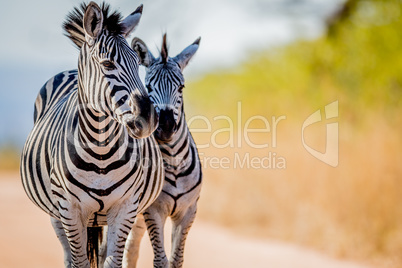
183,176
90,160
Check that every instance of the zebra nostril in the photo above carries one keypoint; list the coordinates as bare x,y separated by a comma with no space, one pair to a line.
130,124
139,125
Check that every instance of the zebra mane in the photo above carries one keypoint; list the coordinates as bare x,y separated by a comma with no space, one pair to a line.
164,50
73,26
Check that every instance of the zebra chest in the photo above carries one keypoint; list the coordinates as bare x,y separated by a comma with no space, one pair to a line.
179,185
98,192
90,176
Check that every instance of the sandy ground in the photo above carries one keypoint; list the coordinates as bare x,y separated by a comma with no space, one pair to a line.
27,240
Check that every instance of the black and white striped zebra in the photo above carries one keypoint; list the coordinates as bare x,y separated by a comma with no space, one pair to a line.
90,160
183,174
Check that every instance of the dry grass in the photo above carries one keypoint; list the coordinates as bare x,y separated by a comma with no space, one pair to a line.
351,211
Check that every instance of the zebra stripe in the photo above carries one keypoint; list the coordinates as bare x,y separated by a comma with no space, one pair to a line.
89,159
183,174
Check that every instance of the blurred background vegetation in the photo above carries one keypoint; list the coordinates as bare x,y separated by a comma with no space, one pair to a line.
357,61
9,157
351,211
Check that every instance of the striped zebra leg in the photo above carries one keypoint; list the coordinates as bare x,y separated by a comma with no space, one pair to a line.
155,222
181,226
61,235
132,249
120,222
103,248
76,233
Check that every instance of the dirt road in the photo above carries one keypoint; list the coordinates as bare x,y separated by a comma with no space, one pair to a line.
27,240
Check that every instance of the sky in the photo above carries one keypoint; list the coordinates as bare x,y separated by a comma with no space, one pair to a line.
33,47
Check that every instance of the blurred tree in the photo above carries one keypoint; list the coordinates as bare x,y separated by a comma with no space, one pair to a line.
340,15
357,62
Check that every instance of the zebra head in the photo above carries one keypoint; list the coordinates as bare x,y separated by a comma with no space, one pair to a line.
108,80
165,82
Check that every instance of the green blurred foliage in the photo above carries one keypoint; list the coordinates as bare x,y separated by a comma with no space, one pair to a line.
352,210
358,62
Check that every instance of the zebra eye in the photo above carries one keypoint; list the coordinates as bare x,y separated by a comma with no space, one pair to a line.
108,65
149,89
181,88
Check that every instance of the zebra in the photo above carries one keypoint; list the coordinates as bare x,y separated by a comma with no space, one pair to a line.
90,159
183,175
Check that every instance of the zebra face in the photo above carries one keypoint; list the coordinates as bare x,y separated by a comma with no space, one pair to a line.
108,73
165,83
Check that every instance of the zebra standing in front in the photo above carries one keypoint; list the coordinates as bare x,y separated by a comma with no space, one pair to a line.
90,160
183,175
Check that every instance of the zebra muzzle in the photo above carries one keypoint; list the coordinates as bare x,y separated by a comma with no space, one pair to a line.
167,125
138,127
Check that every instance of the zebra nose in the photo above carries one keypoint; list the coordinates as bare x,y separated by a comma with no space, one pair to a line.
137,128
167,125
137,125
166,121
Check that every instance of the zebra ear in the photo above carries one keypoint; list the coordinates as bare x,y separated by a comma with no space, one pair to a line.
146,57
93,23
185,56
131,21
164,50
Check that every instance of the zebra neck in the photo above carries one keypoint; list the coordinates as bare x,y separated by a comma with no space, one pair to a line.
177,152
97,132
